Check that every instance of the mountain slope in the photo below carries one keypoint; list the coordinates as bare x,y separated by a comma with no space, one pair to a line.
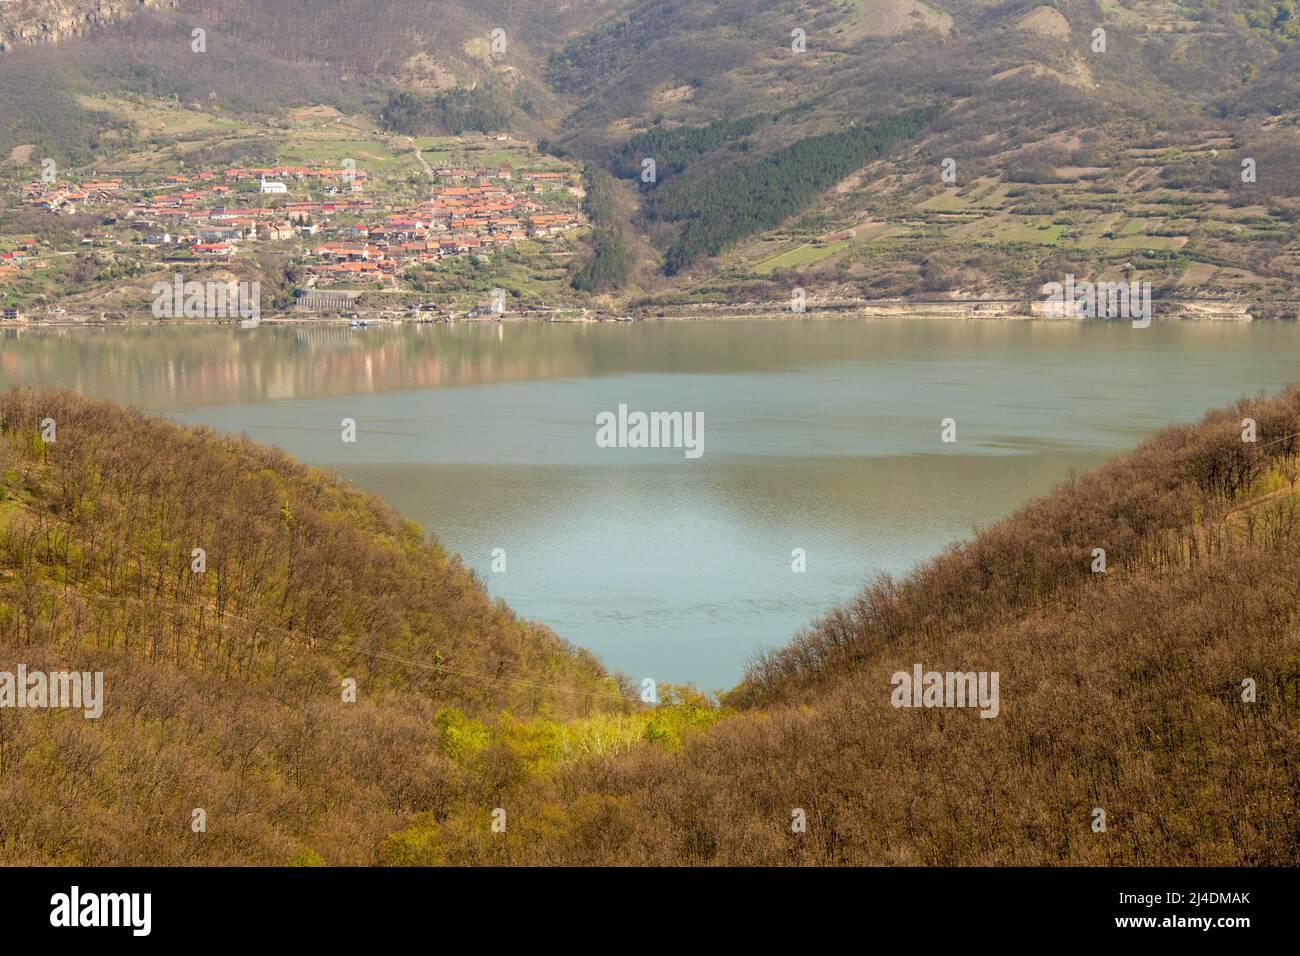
1112,155
224,690
258,59
1115,155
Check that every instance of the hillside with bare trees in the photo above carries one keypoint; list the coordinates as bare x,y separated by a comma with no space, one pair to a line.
1142,620
1160,696
232,597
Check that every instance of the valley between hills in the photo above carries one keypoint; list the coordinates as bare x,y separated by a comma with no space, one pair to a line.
294,674
331,687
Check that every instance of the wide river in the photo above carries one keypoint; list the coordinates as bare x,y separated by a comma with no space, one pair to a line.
823,436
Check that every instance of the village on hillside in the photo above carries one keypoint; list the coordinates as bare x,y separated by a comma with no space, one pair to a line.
341,228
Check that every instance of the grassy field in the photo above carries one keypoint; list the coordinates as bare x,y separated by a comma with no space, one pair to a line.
802,256
151,117
374,155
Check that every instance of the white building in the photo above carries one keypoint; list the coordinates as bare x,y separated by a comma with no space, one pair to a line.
273,187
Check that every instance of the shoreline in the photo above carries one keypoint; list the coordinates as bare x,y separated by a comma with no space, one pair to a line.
975,310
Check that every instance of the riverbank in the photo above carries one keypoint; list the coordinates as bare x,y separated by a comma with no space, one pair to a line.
1195,310
974,309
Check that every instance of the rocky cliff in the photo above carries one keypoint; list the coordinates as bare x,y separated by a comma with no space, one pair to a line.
28,22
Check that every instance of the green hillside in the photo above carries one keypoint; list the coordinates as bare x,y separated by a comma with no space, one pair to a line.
1115,161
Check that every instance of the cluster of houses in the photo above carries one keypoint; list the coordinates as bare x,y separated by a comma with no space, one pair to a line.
454,221
69,197
207,214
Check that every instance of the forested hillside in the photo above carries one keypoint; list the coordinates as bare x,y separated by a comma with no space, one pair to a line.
1161,687
1163,691
258,59
1099,138
224,686
720,208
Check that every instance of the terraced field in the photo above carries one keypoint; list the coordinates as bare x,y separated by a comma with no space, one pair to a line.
1000,234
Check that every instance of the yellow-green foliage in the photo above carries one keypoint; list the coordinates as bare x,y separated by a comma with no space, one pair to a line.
417,845
683,710
535,746
462,737
508,758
